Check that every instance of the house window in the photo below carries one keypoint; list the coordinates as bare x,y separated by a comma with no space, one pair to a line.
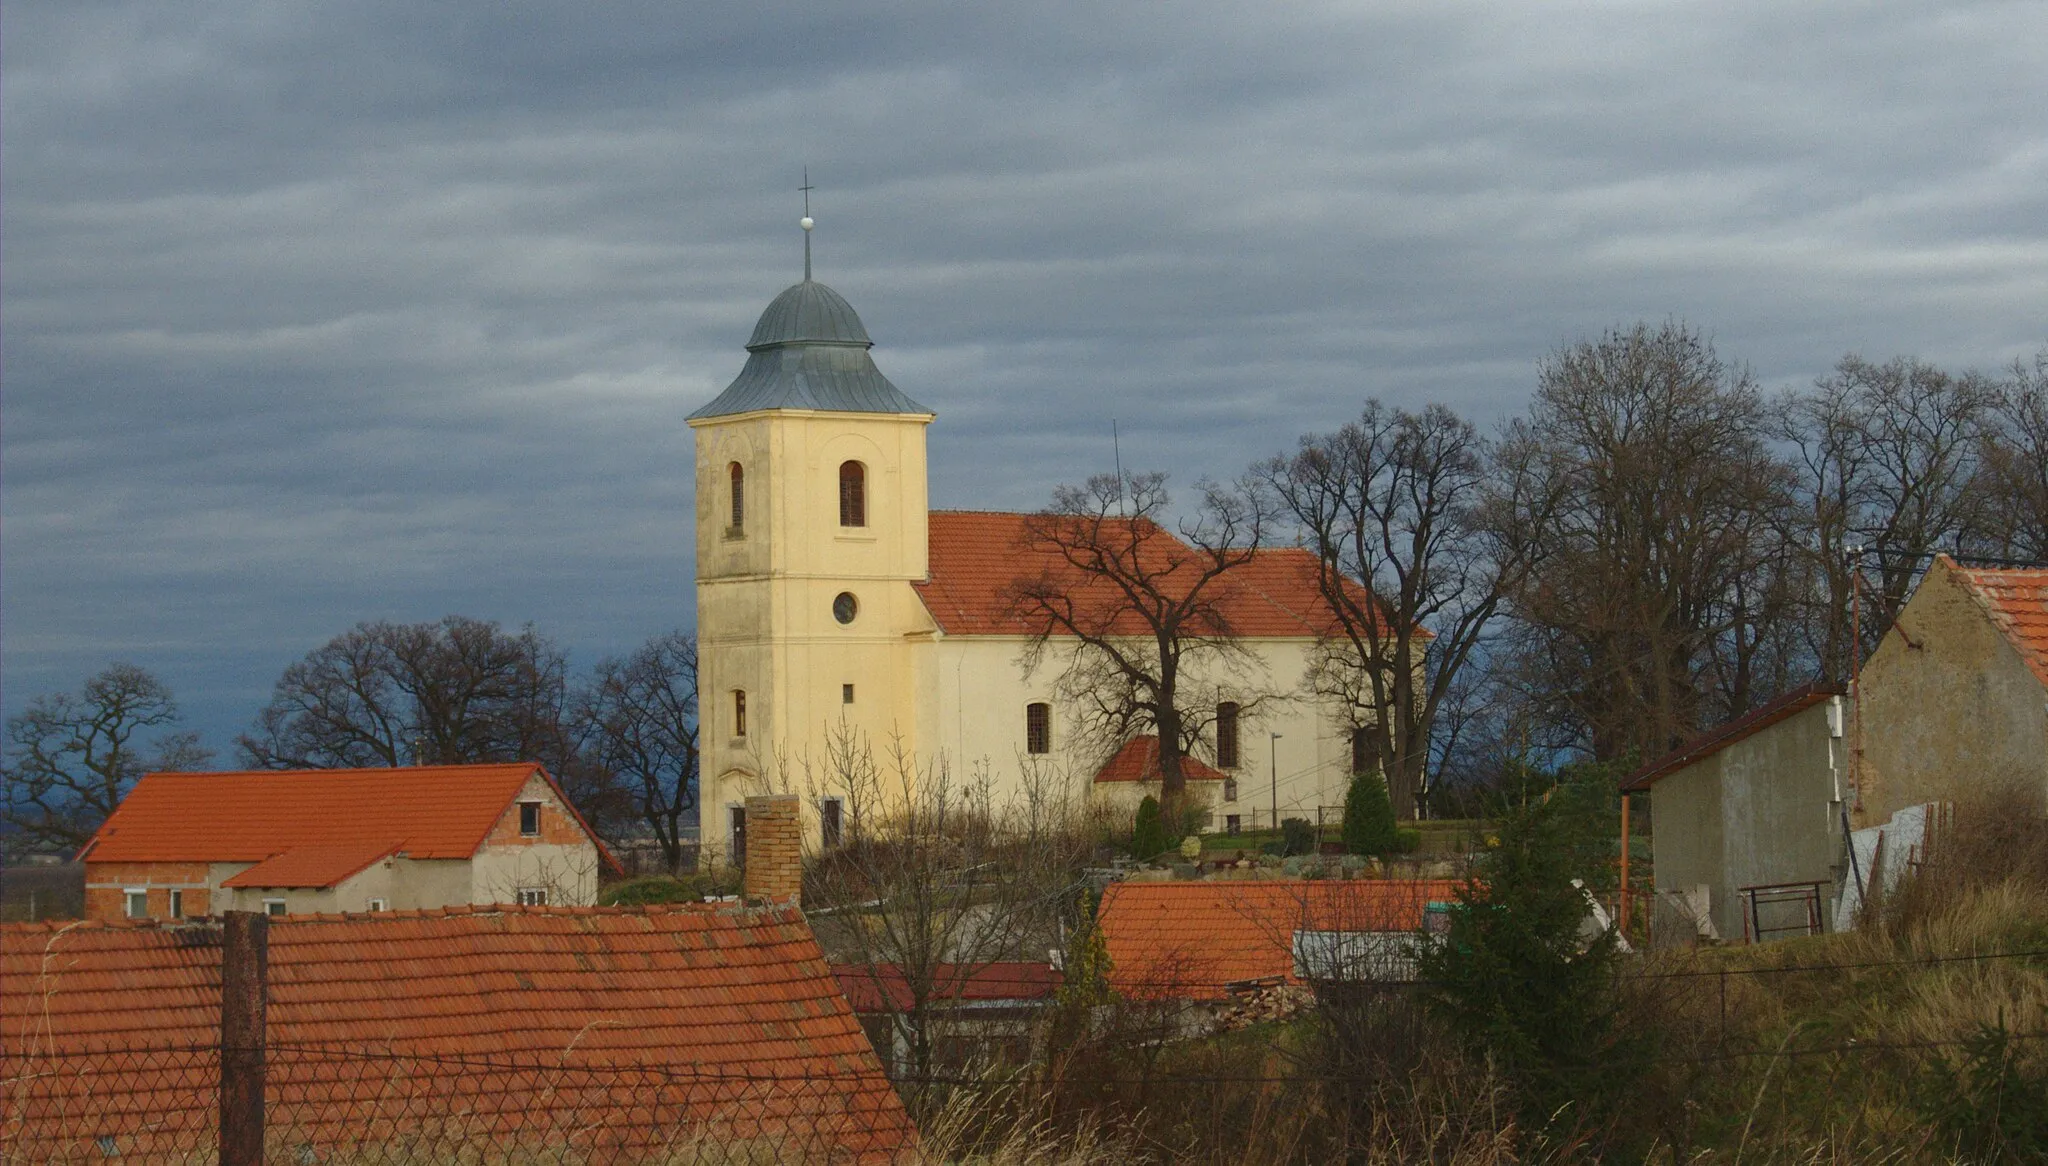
1362,751
845,607
273,906
737,837
380,905
739,498
1226,735
138,902
1229,789
529,819
1233,823
177,907
846,694
831,822
1038,727
739,712
533,896
853,494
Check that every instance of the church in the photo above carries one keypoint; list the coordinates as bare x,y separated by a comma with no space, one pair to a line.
837,613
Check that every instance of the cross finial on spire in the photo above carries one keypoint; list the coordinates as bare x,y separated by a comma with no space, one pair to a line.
806,222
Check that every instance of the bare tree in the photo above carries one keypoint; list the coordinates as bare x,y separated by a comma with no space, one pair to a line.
931,881
1142,610
72,758
1651,454
1889,462
2015,466
460,690
1400,509
639,718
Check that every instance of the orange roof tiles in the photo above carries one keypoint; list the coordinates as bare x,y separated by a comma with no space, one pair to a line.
1138,760
2017,598
387,1018
977,558
1192,940
428,811
314,866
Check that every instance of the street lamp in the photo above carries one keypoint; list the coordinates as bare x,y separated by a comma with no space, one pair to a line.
1273,762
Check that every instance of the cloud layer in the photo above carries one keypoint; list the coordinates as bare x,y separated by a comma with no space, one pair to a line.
323,313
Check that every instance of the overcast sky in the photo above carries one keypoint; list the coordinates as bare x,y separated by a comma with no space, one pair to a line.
320,313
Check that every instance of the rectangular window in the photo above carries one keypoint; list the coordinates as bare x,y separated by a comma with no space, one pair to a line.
739,498
273,906
1038,728
533,896
1226,735
138,902
1362,751
177,907
831,822
736,837
846,694
739,712
1233,823
529,819
853,494
1229,789
379,905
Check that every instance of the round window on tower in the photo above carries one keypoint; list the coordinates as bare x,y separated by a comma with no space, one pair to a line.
845,607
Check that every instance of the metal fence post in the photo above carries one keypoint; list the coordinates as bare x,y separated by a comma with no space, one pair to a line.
244,970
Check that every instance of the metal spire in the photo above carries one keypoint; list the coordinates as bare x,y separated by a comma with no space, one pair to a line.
806,222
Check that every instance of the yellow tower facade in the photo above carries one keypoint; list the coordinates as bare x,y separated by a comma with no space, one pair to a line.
812,526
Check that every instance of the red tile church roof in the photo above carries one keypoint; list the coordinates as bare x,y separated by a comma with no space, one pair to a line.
978,557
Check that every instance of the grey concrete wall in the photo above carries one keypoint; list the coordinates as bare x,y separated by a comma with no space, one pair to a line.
1948,704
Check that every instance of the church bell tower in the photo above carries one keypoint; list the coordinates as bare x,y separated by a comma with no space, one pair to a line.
812,524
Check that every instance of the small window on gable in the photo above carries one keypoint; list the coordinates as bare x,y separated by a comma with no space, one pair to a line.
1226,735
137,899
176,909
739,712
831,823
529,819
1038,727
380,904
273,906
533,896
739,498
853,494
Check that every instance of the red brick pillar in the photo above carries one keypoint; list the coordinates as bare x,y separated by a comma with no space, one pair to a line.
775,857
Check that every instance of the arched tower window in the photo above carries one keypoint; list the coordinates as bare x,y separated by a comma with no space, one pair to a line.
1226,735
739,498
853,494
1038,727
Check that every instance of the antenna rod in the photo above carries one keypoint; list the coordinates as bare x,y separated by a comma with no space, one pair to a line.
806,223
1117,448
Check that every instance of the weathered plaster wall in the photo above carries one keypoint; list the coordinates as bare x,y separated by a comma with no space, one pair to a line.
1947,704
561,859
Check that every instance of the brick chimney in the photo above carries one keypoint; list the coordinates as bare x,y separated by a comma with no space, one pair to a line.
775,857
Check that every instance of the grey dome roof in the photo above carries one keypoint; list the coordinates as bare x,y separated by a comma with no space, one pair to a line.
809,313
809,351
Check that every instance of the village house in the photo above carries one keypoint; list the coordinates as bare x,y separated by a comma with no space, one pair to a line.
297,841
611,1034
1750,822
1205,942
979,1013
837,612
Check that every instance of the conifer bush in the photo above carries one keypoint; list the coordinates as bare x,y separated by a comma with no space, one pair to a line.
1369,817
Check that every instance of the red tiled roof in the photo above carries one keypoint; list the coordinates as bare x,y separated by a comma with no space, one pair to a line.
429,811
1721,736
498,1009
978,556
884,987
1192,940
2017,598
313,866
1138,760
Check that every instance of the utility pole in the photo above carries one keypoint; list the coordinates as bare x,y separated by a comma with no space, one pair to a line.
1273,762
244,972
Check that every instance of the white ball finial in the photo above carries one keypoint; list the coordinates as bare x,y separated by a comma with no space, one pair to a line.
806,223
